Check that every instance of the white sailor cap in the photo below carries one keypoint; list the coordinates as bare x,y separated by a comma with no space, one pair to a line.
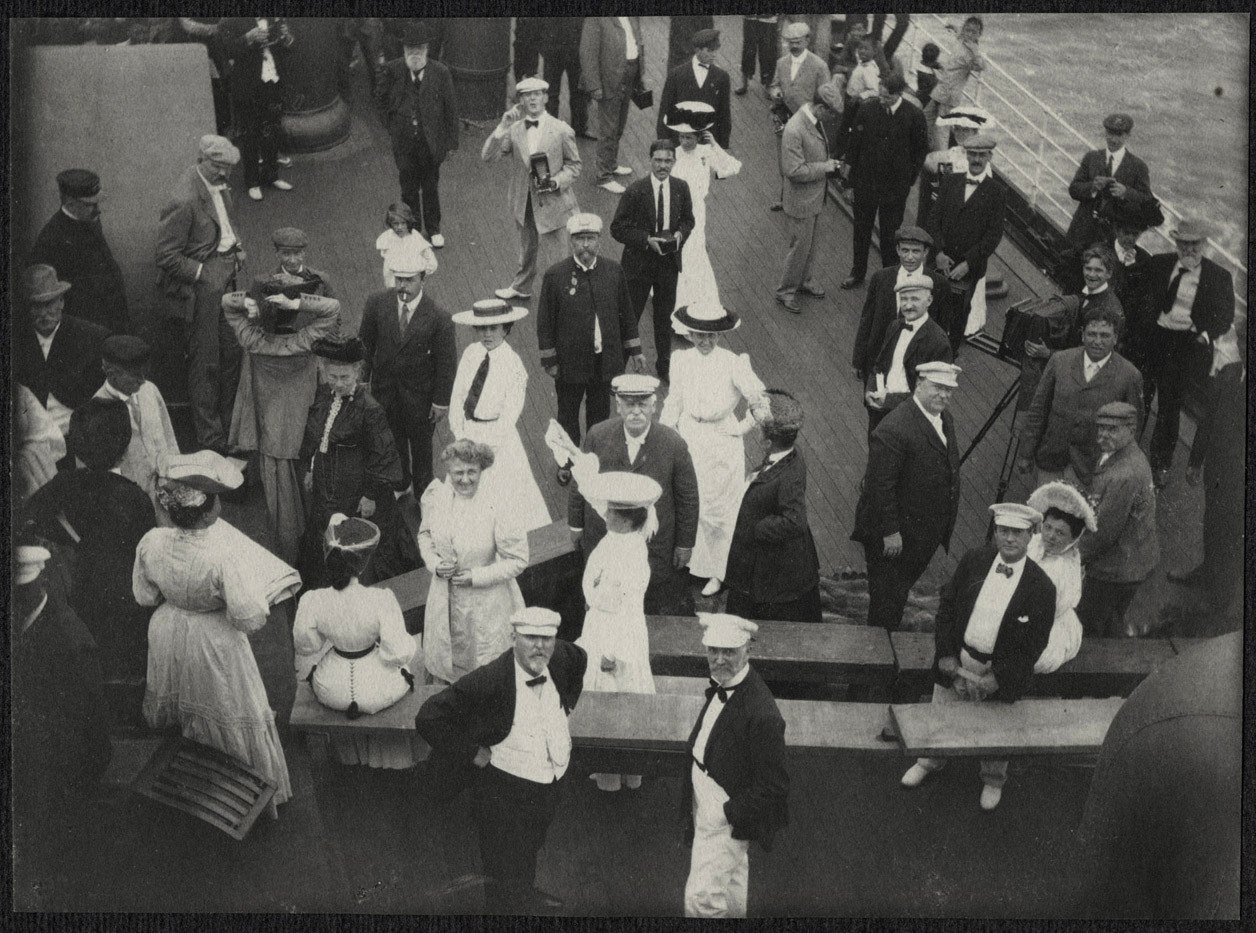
533,83
584,223
1015,515
944,374
721,630
535,620
634,385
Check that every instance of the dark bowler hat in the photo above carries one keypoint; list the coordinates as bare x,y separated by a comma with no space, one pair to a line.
125,350
1118,123
290,238
912,234
416,35
340,349
705,39
78,183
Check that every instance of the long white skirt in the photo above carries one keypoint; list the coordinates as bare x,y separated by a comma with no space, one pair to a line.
719,460
510,478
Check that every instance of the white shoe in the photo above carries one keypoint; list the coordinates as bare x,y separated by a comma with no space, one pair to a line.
916,775
990,797
283,160
622,171
281,184
509,294
712,587
612,186
438,241
255,194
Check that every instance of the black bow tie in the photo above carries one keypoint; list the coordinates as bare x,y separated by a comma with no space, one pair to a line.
531,123
700,65
722,691
417,76
537,681
908,327
1004,569
972,182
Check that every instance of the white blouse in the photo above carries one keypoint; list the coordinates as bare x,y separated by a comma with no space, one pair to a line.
708,388
352,619
503,396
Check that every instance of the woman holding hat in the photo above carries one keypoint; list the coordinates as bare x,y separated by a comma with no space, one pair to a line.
698,157
489,392
1065,516
212,586
352,646
709,382
475,547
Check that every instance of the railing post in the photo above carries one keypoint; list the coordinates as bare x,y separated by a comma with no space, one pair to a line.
1042,137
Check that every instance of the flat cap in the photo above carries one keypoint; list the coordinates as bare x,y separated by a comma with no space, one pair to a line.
290,238
531,84
914,280
634,385
944,374
125,350
722,630
584,223
219,149
705,39
535,620
1189,231
912,234
78,183
1118,122
1015,515
980,143
795,30
1117,412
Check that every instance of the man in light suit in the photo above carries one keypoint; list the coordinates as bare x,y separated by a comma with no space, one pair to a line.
653,221
410,362
415,95
699,78
546,165
799,75
633,442
806,166
611,61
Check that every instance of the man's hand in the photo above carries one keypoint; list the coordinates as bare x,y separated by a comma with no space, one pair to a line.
446,569
552,371
680,557
636,364
461,578
679,237
482,757
252,309
283,301
944,263
608,663
1117,190
1194,475
892,545
948,666
510,117
986,686
874,400
437,412
1099,185
1024,465
255,36
775,93
1037,349
366,507
307,482
656,243
958,271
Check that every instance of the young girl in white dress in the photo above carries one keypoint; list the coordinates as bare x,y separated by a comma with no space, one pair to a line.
708,384
488,414
400,228
351,644
1066,516
616,576
698,157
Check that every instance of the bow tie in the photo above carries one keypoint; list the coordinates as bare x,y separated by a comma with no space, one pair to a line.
700,65
417,76
531,123
909,327
536,681
722,691
1004,569
969,180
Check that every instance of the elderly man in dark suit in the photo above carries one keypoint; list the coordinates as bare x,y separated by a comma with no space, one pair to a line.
880,308
887,149
1187,305
653,221
586,329
502,730
699,78
910,494
773,571
56,356
411,360
544,168
738,787
634,443
199,253
913,338
967,227
258,48
415,95
993,622
73,243
612,59
1058,435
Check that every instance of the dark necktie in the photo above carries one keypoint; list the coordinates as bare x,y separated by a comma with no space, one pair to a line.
1109,165
477,386
417,76
1004,569
531,123
658,215
1173,289
535,681
722,691
1085,300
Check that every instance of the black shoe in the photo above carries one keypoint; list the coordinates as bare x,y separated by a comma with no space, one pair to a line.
1160,477
563,476
777,207
851,282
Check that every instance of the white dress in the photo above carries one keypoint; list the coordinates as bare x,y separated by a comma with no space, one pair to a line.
501,402
697,279
615,580
333,623
214,586
701,405
465,627
1065,571
388,241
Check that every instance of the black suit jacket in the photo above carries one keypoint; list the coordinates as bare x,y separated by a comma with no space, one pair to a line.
1023,632
1084,228
72,371
681,86
432,105
479,710
415,369
911,486
634,224
928,344
887,151
745,755
246,67
1213,310
968,231
564,321
880,311
773,556
79,252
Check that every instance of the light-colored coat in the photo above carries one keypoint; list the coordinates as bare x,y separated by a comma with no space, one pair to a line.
558,142
795,92
804,161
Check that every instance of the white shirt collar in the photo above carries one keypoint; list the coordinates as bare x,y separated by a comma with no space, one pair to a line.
983,176
1116,157
806,108
1098,291
1126,256
589,267
1016,566
522,676
411,306
47,341
898,103
779,455
1096,364
114,393
700,70
741,675
637,441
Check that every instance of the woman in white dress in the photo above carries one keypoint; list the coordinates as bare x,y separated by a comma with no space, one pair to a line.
698,157
351,644
488,414
1066,516
475,548
212,586
709,383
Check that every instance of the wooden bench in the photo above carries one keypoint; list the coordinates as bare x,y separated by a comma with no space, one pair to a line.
787,651
1026,727
1103,667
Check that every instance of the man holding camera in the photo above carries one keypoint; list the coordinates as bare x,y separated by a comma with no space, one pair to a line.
257,47
540,194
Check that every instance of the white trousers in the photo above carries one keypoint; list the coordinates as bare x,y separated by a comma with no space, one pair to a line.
719,865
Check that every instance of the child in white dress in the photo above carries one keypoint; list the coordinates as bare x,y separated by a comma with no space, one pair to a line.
400,224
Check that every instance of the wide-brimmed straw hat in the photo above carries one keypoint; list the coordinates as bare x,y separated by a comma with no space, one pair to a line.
490,311
705,319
